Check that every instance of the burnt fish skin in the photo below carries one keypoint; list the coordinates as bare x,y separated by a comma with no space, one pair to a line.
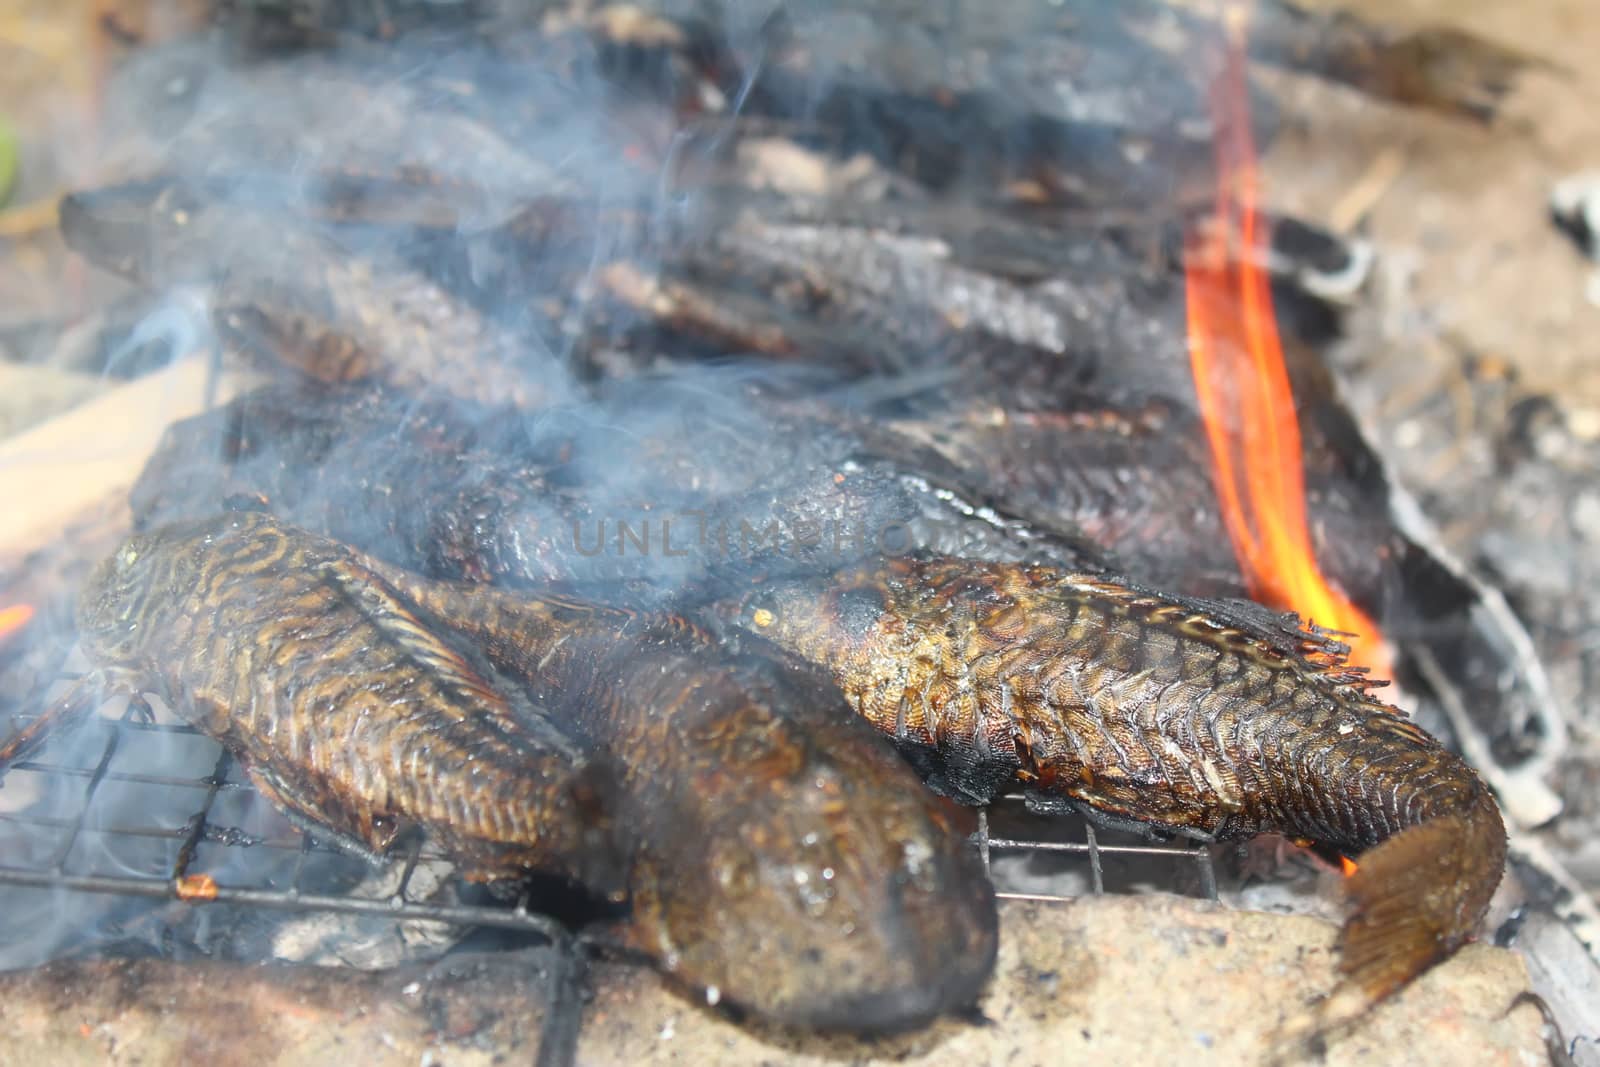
288,290
455,491
1213,720
788,860
348,707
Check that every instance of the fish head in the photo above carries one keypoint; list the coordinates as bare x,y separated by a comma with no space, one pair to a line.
142,231
114,607
827,887
844,627
137,604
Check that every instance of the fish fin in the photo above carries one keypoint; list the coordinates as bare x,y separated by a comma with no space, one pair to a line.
382,598
337,828
382,605
1414,900
1419,896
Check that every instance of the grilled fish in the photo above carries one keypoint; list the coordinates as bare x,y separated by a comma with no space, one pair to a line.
286,290
1207,719
450,491
349,707
1139,484
780,855
787,859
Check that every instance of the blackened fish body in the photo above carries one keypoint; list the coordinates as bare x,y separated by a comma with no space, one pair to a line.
346,706
286,290
787,859
1209,720
1134,476
457,492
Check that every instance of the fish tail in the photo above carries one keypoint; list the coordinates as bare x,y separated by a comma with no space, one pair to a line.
1420,895
1414,900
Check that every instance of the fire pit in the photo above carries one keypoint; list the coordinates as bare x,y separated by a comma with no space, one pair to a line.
718,334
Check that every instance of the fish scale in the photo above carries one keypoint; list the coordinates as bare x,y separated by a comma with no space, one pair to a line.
342,704
1206,719
772,846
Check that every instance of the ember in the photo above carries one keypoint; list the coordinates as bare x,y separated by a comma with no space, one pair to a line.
13,619
200,888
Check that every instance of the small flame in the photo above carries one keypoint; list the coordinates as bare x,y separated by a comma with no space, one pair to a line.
196,888
1348,866
13,619
1244,394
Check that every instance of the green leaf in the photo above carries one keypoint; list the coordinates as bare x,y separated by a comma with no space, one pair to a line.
8,163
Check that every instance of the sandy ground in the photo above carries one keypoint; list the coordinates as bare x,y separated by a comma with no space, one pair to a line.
1073,985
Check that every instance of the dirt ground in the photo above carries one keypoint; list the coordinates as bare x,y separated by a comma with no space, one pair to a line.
1459,212
1065,980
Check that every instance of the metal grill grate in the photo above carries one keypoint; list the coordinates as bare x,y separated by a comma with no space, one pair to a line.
1182,867
56,861
224,799
128,805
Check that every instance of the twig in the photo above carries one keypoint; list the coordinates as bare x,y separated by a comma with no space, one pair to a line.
29,219
1358,201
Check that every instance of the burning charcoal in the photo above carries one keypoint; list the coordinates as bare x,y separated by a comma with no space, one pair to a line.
724,318
904,289
788,862
296,295
910,272
373,943
1032,102
1030,311
1025,103
401,113
350,710
225,931
907,312
1212,720
950,303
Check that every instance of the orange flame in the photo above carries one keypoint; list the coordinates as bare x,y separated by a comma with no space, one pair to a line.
1347,866
14,618
196,888
1244,394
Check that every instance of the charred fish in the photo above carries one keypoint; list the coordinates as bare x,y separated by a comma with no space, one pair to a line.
779,855
787,860
1213,720
350,709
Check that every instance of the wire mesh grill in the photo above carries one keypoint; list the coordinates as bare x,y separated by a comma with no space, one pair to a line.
164,785
59,855
131,804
